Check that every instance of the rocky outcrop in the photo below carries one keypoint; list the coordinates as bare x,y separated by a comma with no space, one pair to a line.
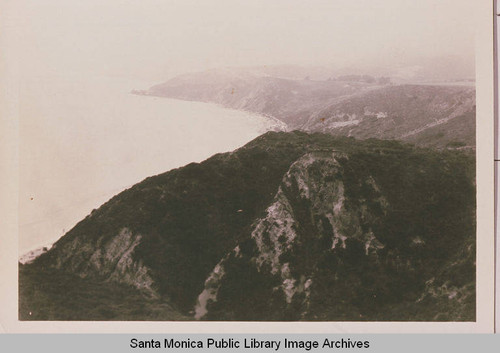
311,226
313,179
110,259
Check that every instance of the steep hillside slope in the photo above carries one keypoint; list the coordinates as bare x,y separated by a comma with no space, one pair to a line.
292,226
406,113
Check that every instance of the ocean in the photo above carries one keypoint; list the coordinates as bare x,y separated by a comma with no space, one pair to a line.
84,139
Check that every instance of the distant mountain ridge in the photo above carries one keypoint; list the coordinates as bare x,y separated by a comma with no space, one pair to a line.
359,106
292,226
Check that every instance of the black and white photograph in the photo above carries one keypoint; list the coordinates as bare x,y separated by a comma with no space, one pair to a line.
249,161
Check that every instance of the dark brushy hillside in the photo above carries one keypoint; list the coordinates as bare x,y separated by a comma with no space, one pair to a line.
292,226
49,294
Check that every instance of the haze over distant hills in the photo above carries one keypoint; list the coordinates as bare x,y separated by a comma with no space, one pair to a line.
418,70
363,106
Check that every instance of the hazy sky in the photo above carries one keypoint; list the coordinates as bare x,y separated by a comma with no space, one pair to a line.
154,39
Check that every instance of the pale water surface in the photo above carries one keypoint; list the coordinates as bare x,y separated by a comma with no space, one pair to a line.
85,139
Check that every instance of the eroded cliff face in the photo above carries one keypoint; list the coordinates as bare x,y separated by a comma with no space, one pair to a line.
317,254
308,217
308,206
110,259
292,226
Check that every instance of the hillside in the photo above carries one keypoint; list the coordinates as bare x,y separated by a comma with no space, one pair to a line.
290,101
292,226
349,105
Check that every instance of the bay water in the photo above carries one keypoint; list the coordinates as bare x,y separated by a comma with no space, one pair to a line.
85,139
